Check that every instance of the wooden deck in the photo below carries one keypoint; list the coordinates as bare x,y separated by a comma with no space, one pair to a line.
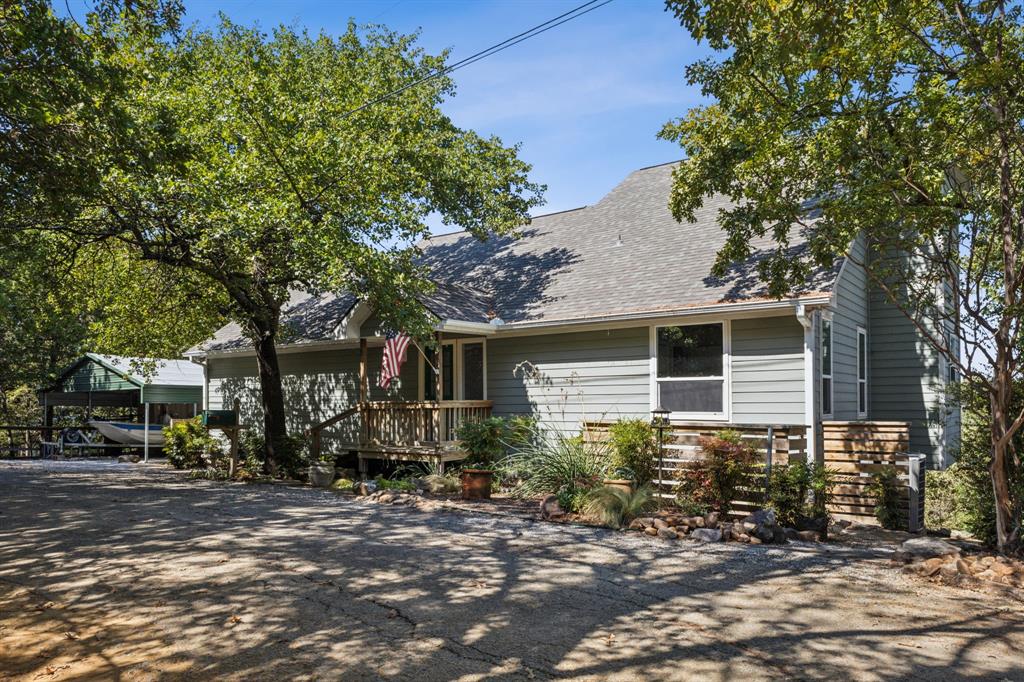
421,431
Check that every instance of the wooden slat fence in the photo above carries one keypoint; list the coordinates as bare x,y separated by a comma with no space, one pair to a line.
682,446
859,449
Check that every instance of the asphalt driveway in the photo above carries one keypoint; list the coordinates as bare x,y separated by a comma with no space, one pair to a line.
115,571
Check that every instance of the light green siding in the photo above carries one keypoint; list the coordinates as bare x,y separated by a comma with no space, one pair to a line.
566,378
92,376
768,371
851,312
317,385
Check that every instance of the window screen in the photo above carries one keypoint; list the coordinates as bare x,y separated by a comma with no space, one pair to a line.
691,368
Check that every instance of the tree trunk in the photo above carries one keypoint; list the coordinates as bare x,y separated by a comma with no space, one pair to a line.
1007,531
275,434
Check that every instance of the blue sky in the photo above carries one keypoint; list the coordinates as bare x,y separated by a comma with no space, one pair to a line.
585,99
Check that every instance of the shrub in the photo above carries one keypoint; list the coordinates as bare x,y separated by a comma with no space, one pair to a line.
563,466
487,441
799,489
634,446
188,445
346,485
615,507
714,482
885,487
400,484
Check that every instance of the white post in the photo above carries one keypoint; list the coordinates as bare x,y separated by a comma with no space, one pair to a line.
145,435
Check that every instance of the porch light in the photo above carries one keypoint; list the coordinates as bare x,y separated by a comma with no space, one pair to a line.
659,420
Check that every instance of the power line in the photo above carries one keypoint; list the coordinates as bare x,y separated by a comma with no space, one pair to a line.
574,13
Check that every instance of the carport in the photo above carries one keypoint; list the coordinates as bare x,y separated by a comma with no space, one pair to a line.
149,390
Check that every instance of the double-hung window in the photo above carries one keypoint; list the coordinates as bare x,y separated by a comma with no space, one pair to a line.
862,373
826,367
691,369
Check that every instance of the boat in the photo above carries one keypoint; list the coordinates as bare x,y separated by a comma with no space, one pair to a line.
130,433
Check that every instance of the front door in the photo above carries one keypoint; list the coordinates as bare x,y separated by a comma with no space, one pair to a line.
463,370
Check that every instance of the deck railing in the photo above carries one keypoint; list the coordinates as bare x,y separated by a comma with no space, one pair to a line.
406,423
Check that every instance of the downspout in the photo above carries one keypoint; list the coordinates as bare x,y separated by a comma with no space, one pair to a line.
206,381
804,317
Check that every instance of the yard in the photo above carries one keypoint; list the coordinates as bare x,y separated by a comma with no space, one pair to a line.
133,572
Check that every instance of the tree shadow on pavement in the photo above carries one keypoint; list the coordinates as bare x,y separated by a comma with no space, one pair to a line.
119,572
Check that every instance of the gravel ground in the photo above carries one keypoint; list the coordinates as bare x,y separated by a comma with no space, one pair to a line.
115,571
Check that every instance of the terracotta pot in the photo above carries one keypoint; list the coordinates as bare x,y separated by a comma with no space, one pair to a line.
321,474
476,484
622,484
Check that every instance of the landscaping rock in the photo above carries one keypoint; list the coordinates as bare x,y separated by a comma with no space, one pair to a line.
930,567
667,533
927,548
550,509
706,534
779,536
660,524
753,539
636,524
651,530
809,523
762,517
386,498
711,519
791,533
694,521
129,459
809,535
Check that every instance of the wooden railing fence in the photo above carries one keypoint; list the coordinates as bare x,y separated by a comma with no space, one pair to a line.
405,423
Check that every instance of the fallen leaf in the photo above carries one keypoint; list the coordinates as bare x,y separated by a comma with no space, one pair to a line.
234,620
71,635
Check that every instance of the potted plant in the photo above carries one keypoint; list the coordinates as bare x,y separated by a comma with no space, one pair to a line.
484,443
321,473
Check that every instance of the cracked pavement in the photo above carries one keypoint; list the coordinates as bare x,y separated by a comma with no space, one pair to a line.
115,571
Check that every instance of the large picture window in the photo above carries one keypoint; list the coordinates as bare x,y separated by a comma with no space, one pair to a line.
690,377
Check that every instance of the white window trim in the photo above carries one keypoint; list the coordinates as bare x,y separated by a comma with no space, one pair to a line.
831,367
726,379
862,333
459,388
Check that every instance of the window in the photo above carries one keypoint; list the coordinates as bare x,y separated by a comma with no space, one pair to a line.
690,373
826,368
472,371
862,373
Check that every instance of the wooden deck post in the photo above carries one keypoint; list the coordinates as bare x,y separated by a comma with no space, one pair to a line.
363,384
438,388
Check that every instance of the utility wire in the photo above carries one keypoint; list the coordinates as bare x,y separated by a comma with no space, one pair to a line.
574,13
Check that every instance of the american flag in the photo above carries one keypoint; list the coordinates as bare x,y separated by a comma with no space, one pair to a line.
394,356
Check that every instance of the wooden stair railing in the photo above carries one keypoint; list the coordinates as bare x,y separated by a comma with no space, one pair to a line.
314,431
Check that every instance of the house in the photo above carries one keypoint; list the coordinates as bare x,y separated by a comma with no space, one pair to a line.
605,311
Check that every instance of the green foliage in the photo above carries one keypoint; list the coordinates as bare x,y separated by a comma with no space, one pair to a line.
404,485
436,484
961,497
563,466
345,485
799,489
241,165
484,440
188,445
615,507
634,450
885,488
488,440
713,483
897,122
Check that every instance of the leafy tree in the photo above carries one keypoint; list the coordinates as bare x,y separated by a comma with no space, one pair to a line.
896,122
249,162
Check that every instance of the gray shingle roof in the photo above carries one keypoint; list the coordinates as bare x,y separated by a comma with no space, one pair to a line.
624,255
